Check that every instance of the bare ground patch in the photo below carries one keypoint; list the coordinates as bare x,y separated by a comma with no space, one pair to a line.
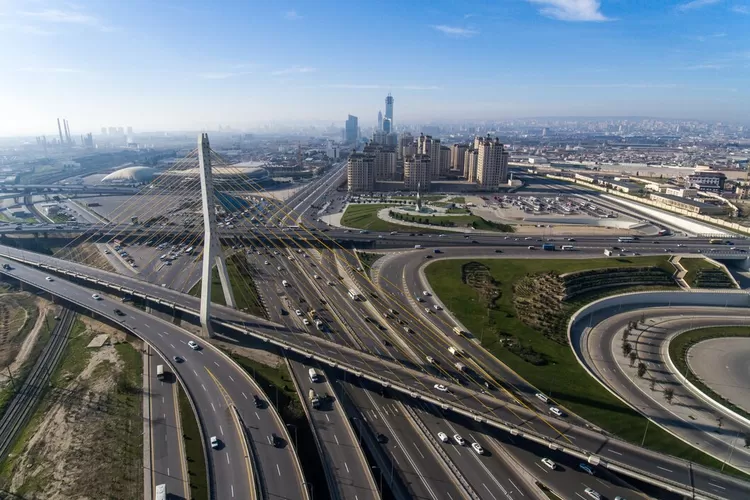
19,315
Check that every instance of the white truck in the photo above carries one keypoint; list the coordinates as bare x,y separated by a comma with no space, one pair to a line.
313,375
314,399
456,351
460,367
608,252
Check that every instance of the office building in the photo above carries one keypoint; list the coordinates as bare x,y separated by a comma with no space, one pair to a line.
706,181
378,137
391,139
360,172
445,160
405,140
492,162
470,164
417,172
389,109
384,161
387,125
458,152
351,130
380,120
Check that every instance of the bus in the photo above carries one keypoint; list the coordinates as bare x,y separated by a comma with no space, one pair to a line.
715,241
353,294
625,239
161,492
160,372
568,247
313,375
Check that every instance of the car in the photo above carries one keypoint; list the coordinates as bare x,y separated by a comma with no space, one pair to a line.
442,436
426,293
549,463
305,321
95,296
557,411
193,345
475,242
498,251
427,310
531,247
258,402
542,397
428,256
276,441
214,442
266,262
459,440
618,497
527,238
382,439
478,448
586,468
437,307
430,359
49,278
119,312
593,493
317,277
278,268
420,299
298,312
177,359
441,388
7,267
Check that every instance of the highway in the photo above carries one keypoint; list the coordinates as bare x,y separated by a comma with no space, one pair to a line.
521,418
730,355
213,383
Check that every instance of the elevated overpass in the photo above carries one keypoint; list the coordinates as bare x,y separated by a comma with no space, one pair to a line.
595,447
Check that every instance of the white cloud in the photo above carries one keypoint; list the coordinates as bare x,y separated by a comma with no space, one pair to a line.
219,75
703,38
293,70
369,86
696,4
455,31
56,16
420,87
571,10
292,15
25,29
704,66
48,70
741,9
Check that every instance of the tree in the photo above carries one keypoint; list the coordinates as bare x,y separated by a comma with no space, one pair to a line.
669,395
626,348
633,357
641,369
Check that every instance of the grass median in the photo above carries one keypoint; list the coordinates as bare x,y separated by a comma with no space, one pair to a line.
560,374
196,460
703,273
243,286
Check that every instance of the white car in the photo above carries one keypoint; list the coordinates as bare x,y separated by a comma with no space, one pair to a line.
437,307
430,359
549,463
317,277
542,397
49,278
426,293
278,268
266,262
443,437
593,493
441,388
478,448
96,296
305,321
459,440
214,442
298,312
193,345
557,411
427,310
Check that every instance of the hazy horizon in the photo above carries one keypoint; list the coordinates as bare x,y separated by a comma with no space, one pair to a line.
185,66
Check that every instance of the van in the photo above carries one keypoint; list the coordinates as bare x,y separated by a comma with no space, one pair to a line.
313,375
160,375
285,283
417,247
455,351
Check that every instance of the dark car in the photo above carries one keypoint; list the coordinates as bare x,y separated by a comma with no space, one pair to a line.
382,438
498,251
6,267
428,256
474,241
276,440
177,359
258,402
119,312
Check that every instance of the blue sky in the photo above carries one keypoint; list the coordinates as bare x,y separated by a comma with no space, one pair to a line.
165,64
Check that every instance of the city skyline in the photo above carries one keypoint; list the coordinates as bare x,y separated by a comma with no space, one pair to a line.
136,64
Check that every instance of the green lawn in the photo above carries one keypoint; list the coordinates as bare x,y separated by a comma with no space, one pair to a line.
694,265
196,463
245,293
366,217
562,377
457,199
678,349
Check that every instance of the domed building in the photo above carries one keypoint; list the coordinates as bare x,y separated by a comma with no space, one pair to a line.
131,175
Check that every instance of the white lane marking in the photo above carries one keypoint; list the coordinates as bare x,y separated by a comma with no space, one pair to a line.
244,395
159,334
258,416
488,491
183,341
662,468
232,486
162,399
278,470
347,467
200,352
173,347
336,439
328,418
227,457
417,448
717,486
615,452
542,468
166,333
267,438
167,471
221,430
204,387
516,487
230,378
196,373
217,364
214,408
580,496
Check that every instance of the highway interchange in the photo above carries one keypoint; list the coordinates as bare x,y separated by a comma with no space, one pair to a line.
358,338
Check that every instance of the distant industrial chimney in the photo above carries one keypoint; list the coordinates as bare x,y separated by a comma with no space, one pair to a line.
67,131
59,129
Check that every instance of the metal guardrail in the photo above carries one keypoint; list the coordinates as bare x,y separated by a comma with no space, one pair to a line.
256,490
669,485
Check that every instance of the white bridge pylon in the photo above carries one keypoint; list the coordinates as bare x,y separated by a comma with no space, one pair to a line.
212,253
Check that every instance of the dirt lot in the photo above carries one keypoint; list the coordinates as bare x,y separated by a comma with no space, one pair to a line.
85,253
20,314
84,440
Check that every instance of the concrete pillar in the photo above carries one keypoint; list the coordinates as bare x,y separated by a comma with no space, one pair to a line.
212,253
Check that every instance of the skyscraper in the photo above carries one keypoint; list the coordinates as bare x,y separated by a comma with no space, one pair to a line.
417,172
352,129
387,125
360,172
389,108
404,140
470,164
492,162
378,137
458,151
445,160
426,145
380,120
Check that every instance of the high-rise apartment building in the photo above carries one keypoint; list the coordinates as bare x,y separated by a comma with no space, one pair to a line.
470,164
384,158
417,172
351,130
445,160
389,109
492,162
360,172
426,145
458,152
405,140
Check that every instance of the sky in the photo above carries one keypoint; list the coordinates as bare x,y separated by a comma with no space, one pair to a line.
186,65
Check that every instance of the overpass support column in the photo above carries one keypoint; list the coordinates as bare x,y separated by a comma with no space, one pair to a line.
212,253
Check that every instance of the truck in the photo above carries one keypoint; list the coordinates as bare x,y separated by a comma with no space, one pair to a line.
548,246
608,252
568,248
457,330
313,375
318,324
314,399
455,351
353,294
417,247
460,367
160,492
160,372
